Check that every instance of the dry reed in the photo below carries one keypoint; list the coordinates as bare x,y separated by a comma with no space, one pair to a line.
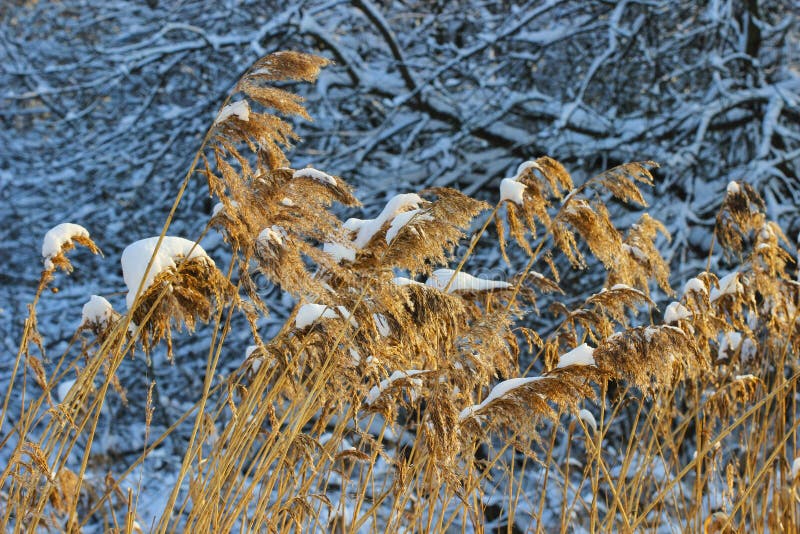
391,402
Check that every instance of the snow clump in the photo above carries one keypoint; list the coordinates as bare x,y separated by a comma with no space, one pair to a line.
308,314
500,390
588,418
581,355
97,311
728,285
676,312
137,255
240,109
314,174
368,228
403,219
512,191
57,237
462,281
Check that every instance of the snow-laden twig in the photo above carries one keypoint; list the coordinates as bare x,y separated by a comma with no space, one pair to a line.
462,281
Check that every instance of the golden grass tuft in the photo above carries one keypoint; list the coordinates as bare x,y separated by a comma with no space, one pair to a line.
179,298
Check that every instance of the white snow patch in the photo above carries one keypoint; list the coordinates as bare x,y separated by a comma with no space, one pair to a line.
314,174
63,389
524,166
500,390
615,336
382,323
728,285
310,313
343,444
368,228
353,224
588,417
636,252
649,332
694,284
729,342
274,234
623,287
462,281
57,237
339,252
512,191
676,312
219,207
255,362
97,310
795,468
618,287
402,219
240,108
355,357
376,391
137,255
580,355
